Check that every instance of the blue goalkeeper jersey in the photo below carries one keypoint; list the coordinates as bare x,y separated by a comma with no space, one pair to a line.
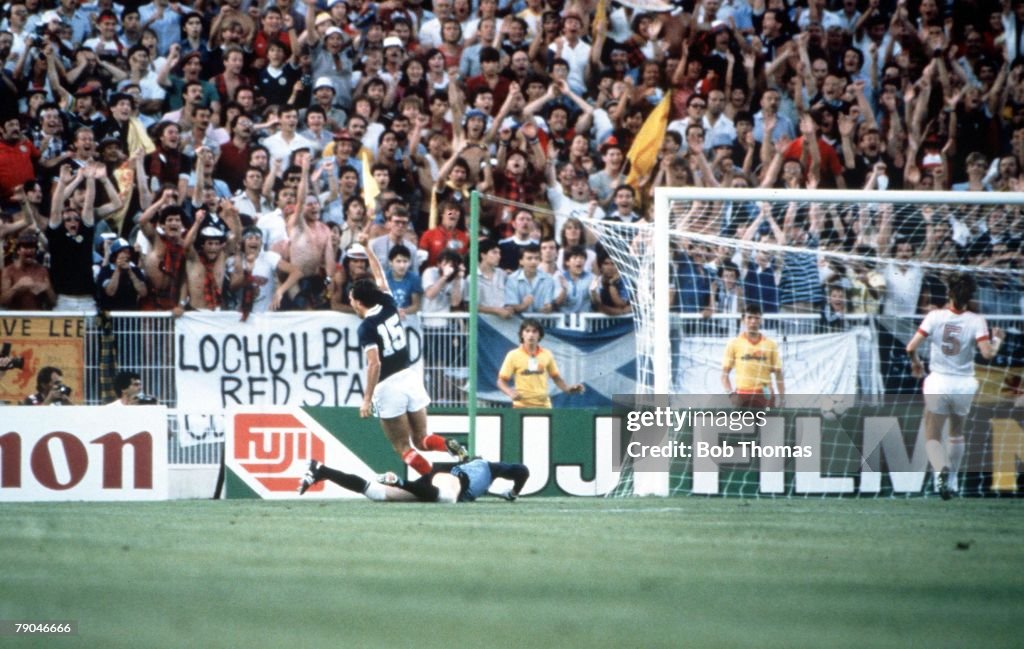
476,477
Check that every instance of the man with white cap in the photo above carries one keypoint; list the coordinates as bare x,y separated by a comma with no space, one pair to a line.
205,267
324,95
332,58
394,56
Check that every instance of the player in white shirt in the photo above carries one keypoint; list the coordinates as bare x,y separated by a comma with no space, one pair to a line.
949,389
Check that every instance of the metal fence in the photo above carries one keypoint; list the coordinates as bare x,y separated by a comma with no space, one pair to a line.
145,343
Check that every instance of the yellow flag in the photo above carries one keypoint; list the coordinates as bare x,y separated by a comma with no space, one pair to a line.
137,137
370,187
432,222
600,17
124,180
643,154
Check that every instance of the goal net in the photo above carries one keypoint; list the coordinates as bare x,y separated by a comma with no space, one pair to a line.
843,279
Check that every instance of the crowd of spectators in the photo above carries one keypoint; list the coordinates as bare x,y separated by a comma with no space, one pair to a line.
224,154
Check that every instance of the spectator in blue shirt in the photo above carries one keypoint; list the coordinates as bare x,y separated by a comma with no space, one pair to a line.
576,282
610,296
404,284
529,289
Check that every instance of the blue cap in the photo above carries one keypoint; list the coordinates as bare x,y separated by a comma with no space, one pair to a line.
118,246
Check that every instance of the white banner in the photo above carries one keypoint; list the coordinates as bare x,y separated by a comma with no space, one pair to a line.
110,453
196,428
643,6
308,358
811,364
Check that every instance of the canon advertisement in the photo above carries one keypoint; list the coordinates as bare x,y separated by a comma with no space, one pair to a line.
83,453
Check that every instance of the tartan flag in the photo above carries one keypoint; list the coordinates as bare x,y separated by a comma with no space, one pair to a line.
108,356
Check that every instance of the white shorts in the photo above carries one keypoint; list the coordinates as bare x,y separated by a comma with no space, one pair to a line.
400,393
948,394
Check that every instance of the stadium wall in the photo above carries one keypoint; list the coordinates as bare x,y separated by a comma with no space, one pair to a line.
871,450
85,453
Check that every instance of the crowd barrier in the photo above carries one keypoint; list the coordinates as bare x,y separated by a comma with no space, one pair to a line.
145,343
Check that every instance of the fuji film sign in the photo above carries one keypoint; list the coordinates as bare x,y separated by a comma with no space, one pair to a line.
268,449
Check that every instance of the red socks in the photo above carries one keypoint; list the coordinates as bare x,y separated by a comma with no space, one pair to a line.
417,461
435,443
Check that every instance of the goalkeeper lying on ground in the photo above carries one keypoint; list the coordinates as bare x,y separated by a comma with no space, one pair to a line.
457,483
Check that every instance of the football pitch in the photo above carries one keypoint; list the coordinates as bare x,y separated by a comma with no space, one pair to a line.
543,572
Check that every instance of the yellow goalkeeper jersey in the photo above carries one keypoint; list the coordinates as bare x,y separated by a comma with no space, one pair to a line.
529,374
754,362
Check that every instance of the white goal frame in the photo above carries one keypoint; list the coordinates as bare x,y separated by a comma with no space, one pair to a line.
664,196
659,345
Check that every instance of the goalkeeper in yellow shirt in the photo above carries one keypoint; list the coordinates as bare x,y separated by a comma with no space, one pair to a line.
755,358
528,367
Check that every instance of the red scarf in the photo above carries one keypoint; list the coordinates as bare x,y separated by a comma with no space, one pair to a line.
171,265
211,285
249,290
174,259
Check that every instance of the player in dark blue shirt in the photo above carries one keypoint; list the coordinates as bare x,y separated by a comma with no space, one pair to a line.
392,388
463,482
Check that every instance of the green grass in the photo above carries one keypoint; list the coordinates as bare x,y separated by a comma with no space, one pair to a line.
678,572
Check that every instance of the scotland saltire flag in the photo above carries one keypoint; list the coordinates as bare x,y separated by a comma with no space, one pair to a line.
603,361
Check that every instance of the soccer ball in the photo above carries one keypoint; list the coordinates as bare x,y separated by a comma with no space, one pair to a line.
833,406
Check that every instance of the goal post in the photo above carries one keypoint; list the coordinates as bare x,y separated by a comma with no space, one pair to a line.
867,247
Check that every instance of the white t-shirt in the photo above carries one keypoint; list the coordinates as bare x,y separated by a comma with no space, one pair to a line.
565,207
264,273
274,227
954,337
902,288
577,57
280,149
440,303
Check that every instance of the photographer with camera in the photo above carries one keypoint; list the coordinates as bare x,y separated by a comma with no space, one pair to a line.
128,386
50,389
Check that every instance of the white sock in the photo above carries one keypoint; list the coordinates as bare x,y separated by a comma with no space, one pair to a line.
936,454
375,491
957,447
